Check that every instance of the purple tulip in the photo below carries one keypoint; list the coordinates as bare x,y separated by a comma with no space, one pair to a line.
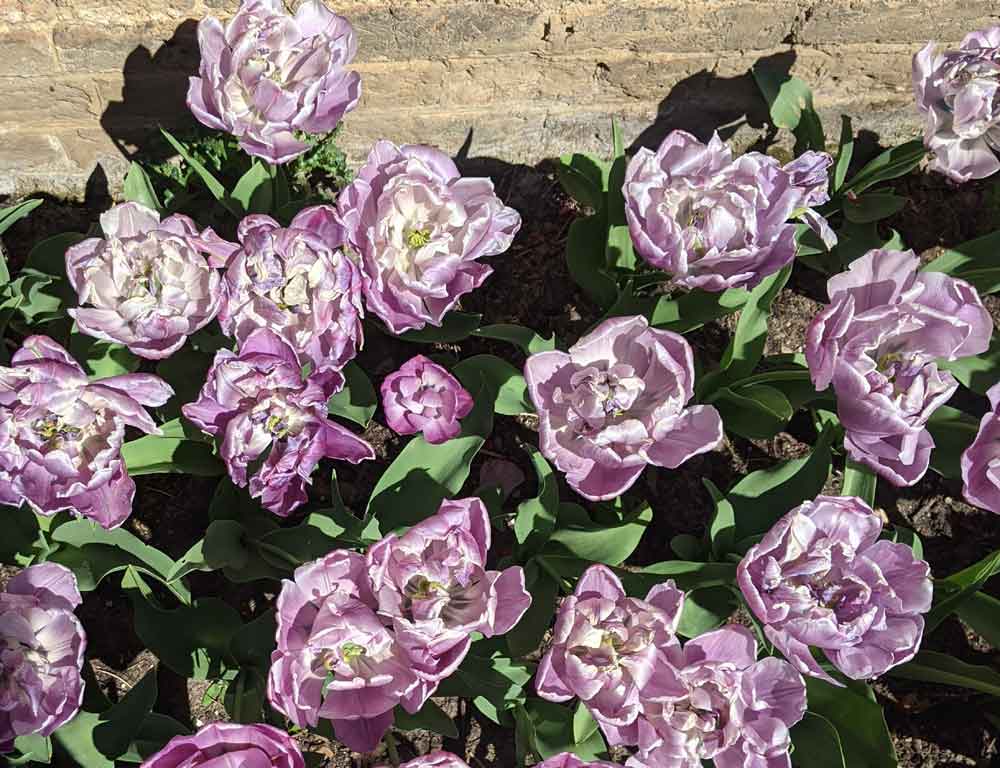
717,702
615,403
569,760
267,76
147,283
820,577
334,658
432,583
230,745
297,282
877,343
957,93
42,653
423,397
981,460
420,229
257,403
61,435
713,222
435,760
608,649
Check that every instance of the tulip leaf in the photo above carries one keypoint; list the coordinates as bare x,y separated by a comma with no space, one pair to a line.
686,575
455,326
683,312
816,743
530,342
493,681
705,609
598,543
501,378
154,732
976,261
584,724
24,540
858,719
181,448
255,189
844,154
951,592
525,637
891,164
934,667
755,411
32,748
953,431
873,206
791,105
139,189
101,359
722,526
357,401
430,718
536,517
14,213
553,731
977,372
859,481
213,184
982,612
585,179
586,259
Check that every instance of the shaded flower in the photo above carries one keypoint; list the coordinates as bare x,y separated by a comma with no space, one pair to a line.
334,657
230,745
435,760
820,577
263,412
617,402
717,702
432,584
41,653
957,93
569,760
714,222
61,434
420,229
297,282
878,342
266,76
981,460
608,649
147,283
423,397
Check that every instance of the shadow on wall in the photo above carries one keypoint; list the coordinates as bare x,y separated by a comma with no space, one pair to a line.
154,94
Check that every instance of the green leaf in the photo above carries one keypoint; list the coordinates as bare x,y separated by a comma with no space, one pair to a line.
139,189
101,359
977,372
586,259
430,718
686,311
859,481
951,592
553,732
536,517
357,401
502,378
859,722
49,256
982,612
525,338
874,206
976,261
844,154
706,609
14,213
933,667
33,748
953,432
816,743
584,724
791,106
213,184
154,732
23,539
494,682
181,448
599,543
756,411
525,637
311,539
687,575
722,526
585,178
891,164
255,189
455,326
413,486
762,497
245,699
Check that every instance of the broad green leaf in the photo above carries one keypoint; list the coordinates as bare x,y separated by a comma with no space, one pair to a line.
606,544
502,378
982,612
255,189
23,540
422,475
755,411
890,164
245,699
101,359
790,102
525,637
620,253
585,178
854,240
181,448
977,372
154,732
525,338
953,432
32,748
706,609
311,539
951,592
873,206
139,189
455,326
584,724
860,724
722,526
686,311
844,154
357,401
976,261
816,743
536,517
14,213
586,259
553,732
213,184
430,718
49,256
493,681
687,575
859,481
934,667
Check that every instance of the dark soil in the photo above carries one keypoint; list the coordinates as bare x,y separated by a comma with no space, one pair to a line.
933,726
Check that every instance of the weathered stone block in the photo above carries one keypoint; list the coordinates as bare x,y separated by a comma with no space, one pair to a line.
25,50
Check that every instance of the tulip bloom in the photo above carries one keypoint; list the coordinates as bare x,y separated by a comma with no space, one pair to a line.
221,745
981,460
878,342
42,653
257,402
717,702
147,283
714,222
61,434
617,402
608,649
423,397
956,91
432,583
820,577
420,229
267,76
297,282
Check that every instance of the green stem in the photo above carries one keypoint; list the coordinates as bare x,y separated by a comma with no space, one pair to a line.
390,746
278,553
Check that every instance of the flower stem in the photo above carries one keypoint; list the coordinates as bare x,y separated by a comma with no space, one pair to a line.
390,746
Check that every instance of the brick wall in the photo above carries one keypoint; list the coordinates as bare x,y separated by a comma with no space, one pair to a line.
82,81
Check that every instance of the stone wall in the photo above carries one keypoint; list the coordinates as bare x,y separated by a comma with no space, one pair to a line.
82,81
